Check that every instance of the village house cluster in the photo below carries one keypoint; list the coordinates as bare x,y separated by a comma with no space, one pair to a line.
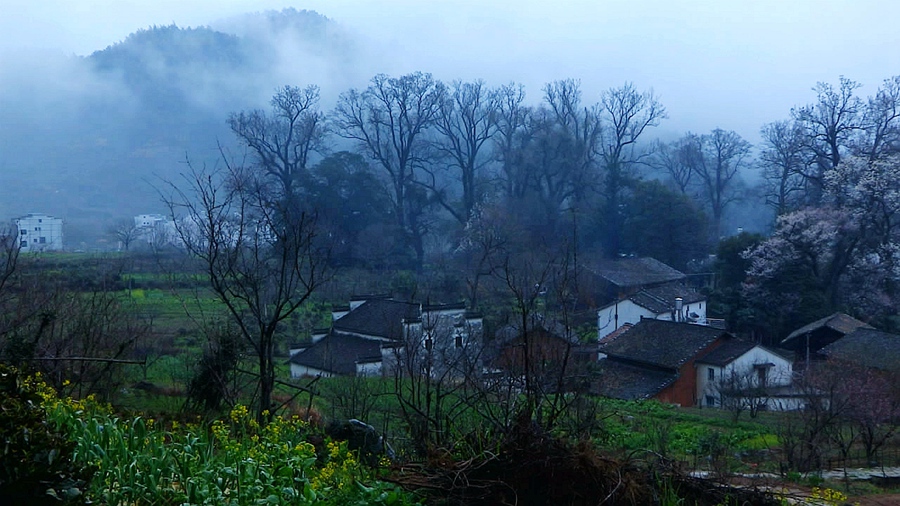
653,341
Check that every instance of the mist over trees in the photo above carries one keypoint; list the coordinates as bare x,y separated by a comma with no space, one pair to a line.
85,138
290,190
445,165
405,171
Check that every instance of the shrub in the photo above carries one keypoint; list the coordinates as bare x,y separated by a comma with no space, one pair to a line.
36,461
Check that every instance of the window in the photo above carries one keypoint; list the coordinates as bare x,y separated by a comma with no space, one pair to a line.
43,240
459,338
24,232
762,376
710,374
710,400
37,229
23,244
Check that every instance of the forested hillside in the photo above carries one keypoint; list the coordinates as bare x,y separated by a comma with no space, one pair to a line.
86,138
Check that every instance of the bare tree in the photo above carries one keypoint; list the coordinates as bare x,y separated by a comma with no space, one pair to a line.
434,371
283,140
548,154
11,311
576,129
485,234
125,232
513,133
807,435
78,334
784,159
529,278
387,121
882,122
467,120
626,114
675,160
719,158
741,390
83,338
263,259
845,404
829,126
874,407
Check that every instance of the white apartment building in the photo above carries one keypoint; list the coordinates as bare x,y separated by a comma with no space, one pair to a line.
40,232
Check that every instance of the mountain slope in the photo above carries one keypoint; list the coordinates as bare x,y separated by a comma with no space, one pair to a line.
86,138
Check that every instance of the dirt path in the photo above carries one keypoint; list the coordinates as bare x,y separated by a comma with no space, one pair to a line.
876,500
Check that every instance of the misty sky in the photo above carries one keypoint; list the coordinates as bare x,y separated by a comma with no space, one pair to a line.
730,64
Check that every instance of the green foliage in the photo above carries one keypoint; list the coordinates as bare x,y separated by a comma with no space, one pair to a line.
681,433
233,462
73,451
664,224
759,442
730,269
36,462
209,388
731,266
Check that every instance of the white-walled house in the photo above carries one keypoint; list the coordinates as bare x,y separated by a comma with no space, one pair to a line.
368,337
742,369
670,302
148,220
39,232
156,230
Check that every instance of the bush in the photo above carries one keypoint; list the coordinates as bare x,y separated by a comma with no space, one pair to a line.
36,464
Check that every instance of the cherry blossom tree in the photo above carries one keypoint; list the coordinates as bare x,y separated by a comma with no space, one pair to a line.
795,275
873,405
843,255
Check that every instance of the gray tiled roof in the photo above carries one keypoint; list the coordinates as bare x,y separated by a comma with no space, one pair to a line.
338,353
378,318
631,272
663,343
867,347
824,331
727,352
555,328
628,382
661,298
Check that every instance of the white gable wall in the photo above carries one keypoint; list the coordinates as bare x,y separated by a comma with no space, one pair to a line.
779,374
629,312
